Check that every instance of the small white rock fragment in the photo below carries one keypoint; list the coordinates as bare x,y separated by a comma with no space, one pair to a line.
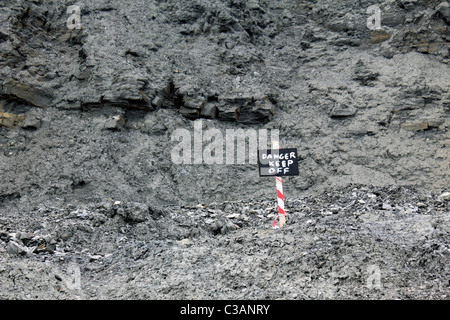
386,206
185,242
445,196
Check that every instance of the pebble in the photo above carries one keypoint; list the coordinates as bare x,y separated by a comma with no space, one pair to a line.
15,248
94,257
445,196
185,242
421,205
334,209
386,206
24,235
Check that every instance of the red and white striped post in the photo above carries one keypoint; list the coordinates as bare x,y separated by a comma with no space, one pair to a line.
280,196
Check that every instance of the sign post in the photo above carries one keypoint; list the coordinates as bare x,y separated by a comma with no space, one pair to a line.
280,197
278,162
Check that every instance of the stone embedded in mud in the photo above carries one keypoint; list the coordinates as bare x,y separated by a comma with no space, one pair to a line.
94,257
443,11
26,92
245,109
386,206
422,125
364,75
335,209
379,36
24,236
261,111
185,242
132,212
435,123
114,122
14,247
137,212
31,123
227,112
153,125
415,126
342,111
427,47
209,111
228,227
157,102
7,119
194,102
444,196
45,247
190,113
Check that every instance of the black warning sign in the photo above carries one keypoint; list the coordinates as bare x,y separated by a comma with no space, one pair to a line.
278,162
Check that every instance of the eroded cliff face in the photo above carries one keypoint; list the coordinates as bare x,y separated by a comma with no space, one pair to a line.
96,97
90,112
